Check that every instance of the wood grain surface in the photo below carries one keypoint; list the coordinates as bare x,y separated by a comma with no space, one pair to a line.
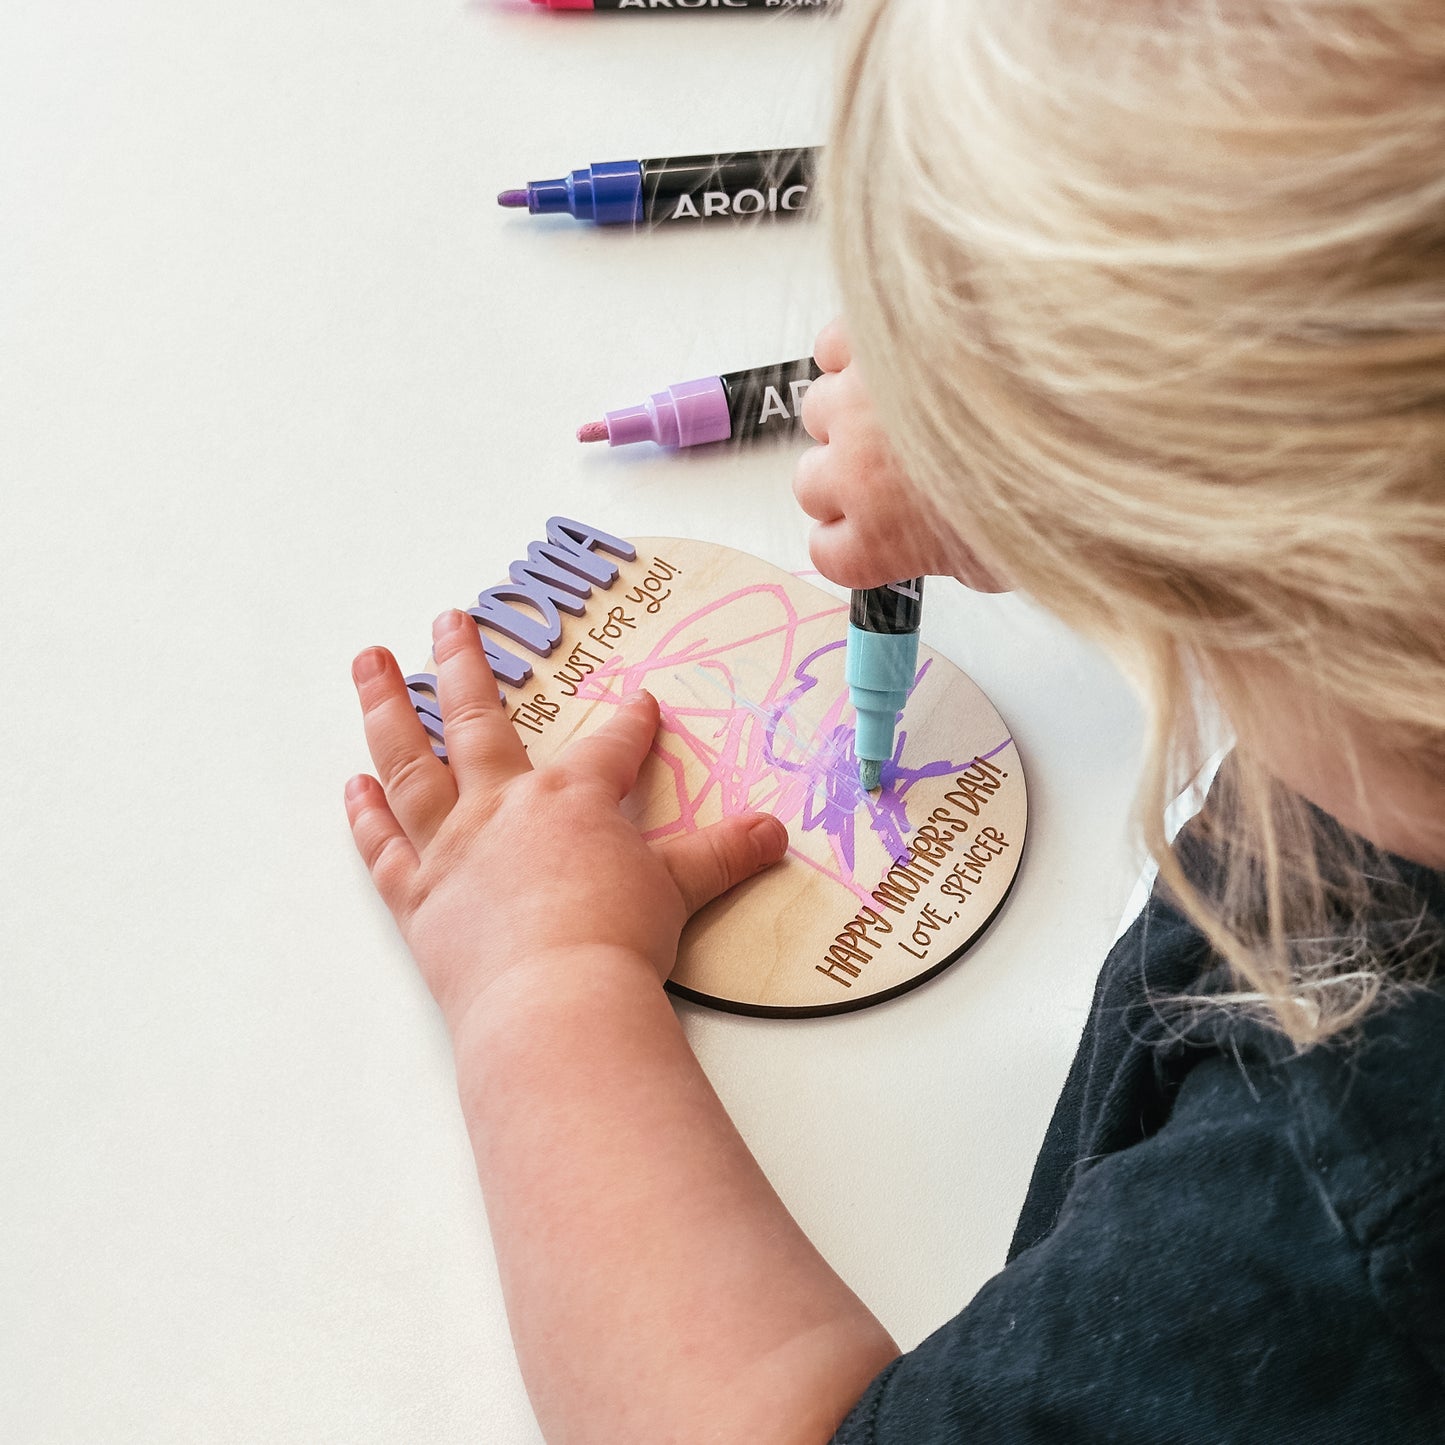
878,892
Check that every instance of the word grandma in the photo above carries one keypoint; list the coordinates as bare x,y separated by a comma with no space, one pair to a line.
942,845
750,201
557,575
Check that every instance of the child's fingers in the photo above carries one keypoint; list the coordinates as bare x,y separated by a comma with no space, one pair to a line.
705,864
832,350
813,485
819,403
614,753
837,553
387,852
480,736
419,786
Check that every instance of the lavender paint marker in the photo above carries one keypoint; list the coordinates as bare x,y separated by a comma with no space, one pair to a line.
738,406
675,188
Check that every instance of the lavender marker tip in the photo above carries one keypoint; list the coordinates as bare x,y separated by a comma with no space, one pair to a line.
512,199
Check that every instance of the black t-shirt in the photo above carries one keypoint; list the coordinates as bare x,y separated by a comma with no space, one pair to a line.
1224,1240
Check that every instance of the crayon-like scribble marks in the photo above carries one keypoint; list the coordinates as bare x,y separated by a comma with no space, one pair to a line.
757,733
836,798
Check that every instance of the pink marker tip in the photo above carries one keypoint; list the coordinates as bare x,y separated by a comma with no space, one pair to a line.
594,431
512,199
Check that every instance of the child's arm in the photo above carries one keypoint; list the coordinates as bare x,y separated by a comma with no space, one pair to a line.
656,1287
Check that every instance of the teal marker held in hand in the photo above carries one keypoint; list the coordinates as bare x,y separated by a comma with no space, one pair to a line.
882,660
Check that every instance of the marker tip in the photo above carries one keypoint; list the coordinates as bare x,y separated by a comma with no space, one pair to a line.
512,199
594,431
870,774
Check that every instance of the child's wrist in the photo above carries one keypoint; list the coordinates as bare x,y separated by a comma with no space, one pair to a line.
533,992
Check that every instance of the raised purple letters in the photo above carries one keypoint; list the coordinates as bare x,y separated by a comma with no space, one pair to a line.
583,539
557,575
562,569
421,688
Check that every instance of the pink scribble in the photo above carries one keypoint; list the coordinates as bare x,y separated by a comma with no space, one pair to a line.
745,736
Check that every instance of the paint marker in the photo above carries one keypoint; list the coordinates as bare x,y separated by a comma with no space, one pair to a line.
882,661
739,406
675,188
669,6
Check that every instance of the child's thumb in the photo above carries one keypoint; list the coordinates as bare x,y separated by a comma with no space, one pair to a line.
705,864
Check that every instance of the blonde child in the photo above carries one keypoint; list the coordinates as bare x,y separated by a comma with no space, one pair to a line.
1146,316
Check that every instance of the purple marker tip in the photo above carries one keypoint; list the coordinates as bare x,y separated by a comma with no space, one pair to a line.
512,199
594,431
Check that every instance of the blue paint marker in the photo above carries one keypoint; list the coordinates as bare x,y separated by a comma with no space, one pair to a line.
882,662
677,188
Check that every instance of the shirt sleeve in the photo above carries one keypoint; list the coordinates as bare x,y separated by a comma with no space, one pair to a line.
1198,1286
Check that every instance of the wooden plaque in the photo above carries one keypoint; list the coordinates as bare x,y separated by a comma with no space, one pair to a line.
878,892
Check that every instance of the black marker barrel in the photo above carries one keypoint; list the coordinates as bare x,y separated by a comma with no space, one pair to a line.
765,401
717,187
894,608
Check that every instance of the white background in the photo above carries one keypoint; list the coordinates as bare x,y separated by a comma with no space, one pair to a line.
278,380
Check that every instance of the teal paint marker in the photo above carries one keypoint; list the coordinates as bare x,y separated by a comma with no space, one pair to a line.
882,661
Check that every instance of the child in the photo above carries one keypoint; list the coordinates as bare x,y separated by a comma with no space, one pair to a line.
1148,302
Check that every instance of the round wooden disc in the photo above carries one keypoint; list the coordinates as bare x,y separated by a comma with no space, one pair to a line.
878,892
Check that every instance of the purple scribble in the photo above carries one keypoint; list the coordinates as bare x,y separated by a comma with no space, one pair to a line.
836,798
744,739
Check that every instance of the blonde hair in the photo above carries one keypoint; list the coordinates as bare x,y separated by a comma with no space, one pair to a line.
1153,297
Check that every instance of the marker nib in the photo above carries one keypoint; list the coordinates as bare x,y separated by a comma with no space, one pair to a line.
512,199
594,431
870,774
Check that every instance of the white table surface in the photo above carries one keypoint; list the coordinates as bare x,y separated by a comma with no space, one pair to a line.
278,380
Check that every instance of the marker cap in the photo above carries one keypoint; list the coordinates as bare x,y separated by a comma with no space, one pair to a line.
609,193
688,414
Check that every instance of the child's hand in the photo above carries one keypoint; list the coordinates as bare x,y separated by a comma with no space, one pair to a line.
872,525
493,868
